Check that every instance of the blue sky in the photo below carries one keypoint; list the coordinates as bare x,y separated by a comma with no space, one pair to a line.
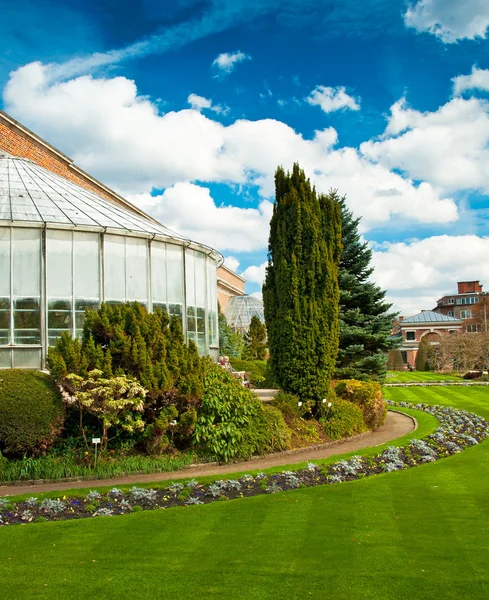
187,107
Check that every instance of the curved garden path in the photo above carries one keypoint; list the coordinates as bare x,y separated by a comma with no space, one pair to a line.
396,425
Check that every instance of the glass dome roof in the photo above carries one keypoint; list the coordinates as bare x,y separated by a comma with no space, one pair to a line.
31,193
241,309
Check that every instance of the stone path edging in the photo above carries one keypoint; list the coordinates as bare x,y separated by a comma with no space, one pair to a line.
397,424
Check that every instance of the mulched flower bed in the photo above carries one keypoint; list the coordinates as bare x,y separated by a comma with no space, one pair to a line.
457,430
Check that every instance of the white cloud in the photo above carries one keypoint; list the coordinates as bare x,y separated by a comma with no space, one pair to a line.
232,263
121,138
331,99
258,295
447,148
477,80
255,274
200,103
227,61
190,210
450,20
417,273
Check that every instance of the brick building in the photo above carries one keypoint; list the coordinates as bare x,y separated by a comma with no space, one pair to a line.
464,305
427,326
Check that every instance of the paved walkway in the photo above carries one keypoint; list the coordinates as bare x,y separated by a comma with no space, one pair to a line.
396,425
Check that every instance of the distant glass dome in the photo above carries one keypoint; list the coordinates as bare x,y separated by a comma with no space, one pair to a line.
240,311
64,249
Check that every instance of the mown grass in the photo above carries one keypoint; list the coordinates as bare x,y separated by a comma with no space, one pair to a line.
418,377
415,534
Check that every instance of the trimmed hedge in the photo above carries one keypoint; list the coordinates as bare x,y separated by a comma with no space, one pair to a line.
368,396
31,412
343,419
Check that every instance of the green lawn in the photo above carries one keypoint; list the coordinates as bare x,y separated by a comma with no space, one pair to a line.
416,534
418,376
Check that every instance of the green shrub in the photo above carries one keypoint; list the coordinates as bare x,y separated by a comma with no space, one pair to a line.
288,404
268,433
343,419
232,423
257,371
366,395
31,413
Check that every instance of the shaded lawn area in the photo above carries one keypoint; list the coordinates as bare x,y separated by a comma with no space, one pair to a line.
417,534
418,377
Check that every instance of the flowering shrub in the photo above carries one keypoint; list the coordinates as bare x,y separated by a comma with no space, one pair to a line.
457,430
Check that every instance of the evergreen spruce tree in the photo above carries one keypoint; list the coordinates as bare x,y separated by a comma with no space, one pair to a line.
300,292
255,347
365,320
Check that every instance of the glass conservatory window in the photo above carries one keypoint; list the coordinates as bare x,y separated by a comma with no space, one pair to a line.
26,263
87,275
4,286
59,282
158,274
195,273
137,270
174,279
212,303
114,268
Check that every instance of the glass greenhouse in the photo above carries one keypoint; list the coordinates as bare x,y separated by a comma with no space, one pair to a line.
241,309
64,249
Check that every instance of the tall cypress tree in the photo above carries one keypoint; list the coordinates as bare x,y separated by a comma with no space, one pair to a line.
300,292
365,320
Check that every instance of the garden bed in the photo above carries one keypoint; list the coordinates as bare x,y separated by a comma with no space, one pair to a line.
457,430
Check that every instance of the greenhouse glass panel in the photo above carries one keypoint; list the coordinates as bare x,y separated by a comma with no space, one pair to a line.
114,268
4,286
200,279
5,359
137,269
87,265
59,263
26,249
212,303
158,273
26,358
5,261
174,265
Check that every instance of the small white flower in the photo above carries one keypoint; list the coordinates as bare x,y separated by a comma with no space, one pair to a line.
299,403
330,404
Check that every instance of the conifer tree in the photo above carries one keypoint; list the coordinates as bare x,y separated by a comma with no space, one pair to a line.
300,292
230,343
365,320
255,347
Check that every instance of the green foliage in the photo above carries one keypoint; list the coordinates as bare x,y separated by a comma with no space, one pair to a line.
114,401
125,339
230,343
394,360
342,419
365,320
288,404
255,347
31,413
422,356
367,396
300,292
257,370
232,423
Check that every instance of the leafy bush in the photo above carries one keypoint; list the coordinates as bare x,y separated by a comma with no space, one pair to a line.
232,423
31,413
288,404
343,419
366,395
473,375
256,369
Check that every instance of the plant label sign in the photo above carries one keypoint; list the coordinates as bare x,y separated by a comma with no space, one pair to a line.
95,440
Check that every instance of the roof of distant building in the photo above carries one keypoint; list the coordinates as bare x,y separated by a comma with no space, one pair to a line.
429,316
